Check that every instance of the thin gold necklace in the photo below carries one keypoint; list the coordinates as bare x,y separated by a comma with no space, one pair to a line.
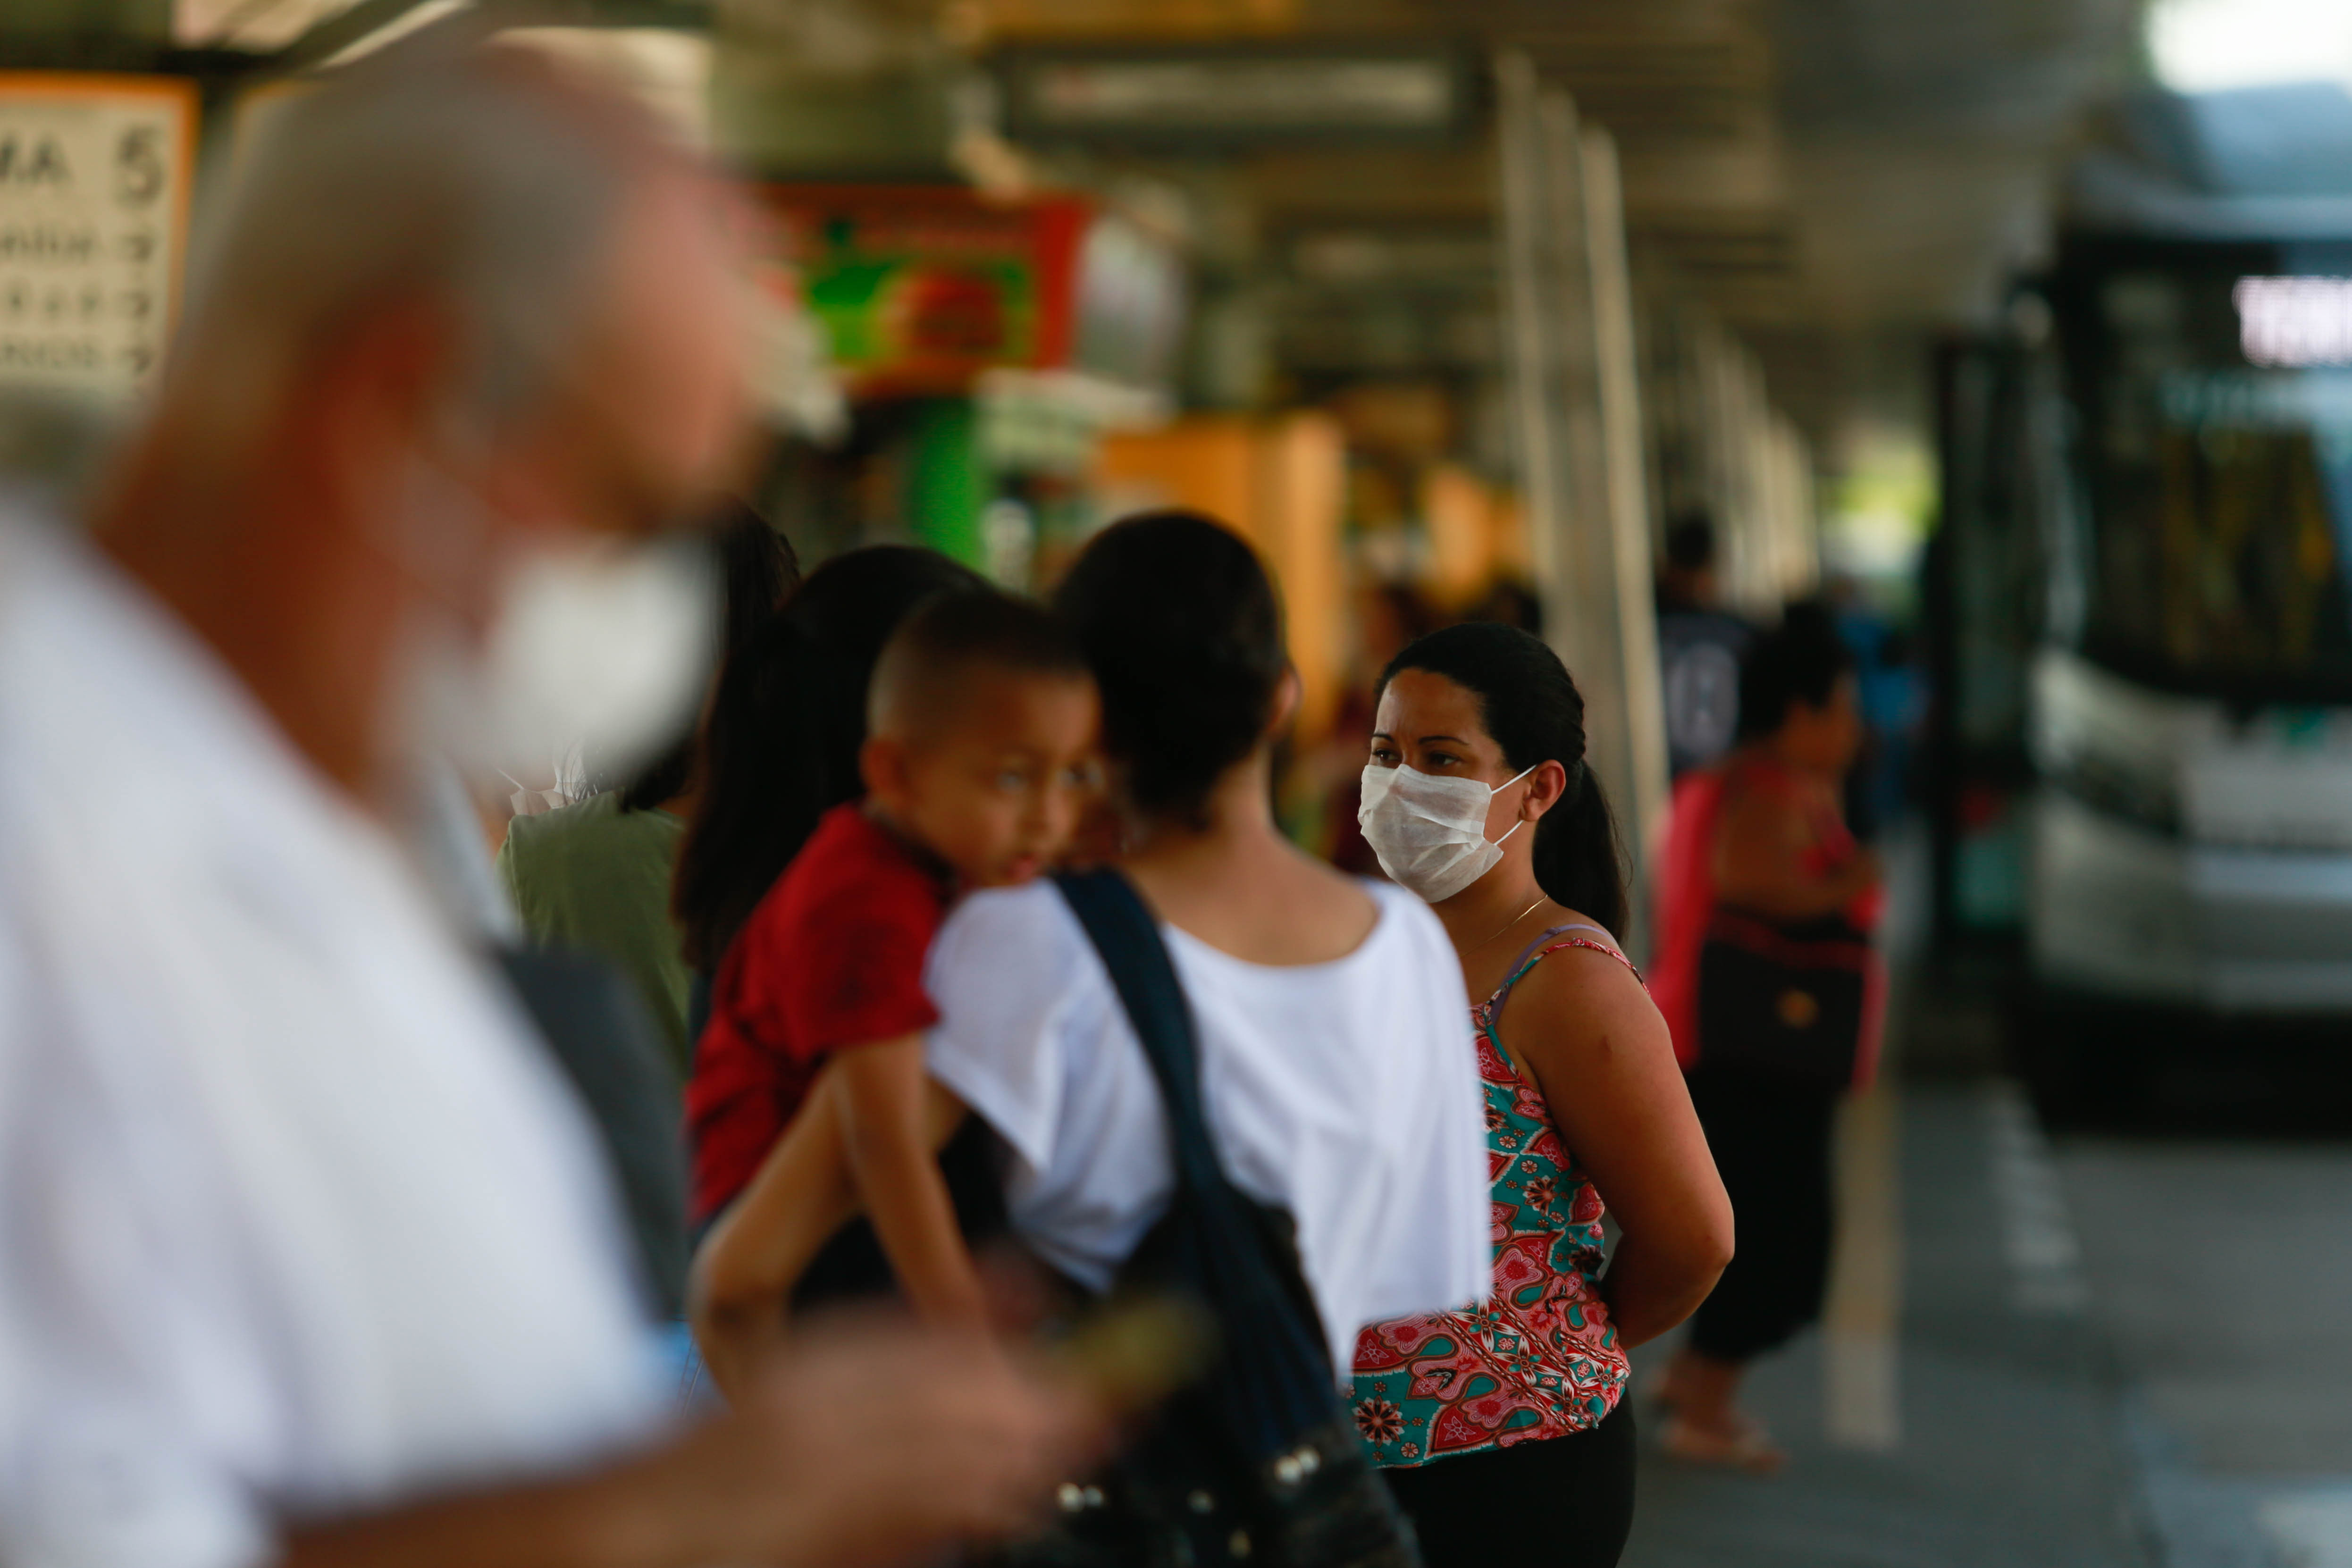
1515,919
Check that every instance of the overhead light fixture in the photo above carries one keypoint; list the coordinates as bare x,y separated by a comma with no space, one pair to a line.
1236,94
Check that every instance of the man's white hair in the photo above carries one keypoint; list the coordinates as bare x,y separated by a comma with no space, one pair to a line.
478,182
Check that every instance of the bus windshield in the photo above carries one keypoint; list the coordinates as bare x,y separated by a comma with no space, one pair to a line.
2214,386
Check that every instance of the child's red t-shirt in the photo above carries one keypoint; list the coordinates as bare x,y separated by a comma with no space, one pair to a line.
831,957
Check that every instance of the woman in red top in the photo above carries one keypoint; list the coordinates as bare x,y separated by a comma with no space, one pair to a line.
1758,860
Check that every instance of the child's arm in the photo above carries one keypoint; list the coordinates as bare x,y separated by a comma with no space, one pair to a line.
894,1120
745,1267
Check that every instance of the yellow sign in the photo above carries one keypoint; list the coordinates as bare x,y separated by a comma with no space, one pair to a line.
95,172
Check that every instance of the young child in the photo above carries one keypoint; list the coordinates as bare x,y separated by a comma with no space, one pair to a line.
981,724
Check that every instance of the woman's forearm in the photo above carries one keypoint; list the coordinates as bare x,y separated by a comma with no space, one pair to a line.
1651,1289
886,1113
1794,898
747,1267
1793,894
735,1338
1763,860
1605,1063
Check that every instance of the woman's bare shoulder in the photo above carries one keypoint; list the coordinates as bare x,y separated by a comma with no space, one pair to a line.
1339,908
1319,879
1281,909
1581,997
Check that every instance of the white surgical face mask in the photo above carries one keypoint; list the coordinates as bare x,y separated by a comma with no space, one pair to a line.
598,646
1430,834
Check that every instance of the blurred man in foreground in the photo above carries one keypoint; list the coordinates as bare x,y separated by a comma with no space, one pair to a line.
304,1252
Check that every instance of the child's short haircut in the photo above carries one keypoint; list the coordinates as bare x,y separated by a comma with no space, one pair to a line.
916,682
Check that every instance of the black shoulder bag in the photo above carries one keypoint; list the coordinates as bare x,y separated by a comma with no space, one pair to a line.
1786,998
1257,1461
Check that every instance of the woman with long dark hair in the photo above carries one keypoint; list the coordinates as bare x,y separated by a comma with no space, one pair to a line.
779,751
1504,1429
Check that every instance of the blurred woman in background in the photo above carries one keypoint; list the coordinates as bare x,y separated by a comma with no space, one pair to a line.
1766,976
1504,1427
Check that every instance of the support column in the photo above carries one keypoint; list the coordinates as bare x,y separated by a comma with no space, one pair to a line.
1577,416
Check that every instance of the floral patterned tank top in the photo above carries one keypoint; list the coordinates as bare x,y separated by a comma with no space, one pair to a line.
1539,1357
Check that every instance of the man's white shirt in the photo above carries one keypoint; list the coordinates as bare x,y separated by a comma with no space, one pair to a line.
295,1217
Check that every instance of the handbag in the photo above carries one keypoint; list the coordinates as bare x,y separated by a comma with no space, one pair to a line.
1787,997
1257,1461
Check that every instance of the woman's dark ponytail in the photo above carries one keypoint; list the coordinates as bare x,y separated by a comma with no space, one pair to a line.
1580,861
1536,715
781,728
758,569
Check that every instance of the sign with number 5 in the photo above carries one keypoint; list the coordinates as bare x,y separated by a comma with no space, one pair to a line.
94,180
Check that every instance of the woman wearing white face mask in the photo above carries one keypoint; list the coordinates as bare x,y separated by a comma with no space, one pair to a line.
1505,1429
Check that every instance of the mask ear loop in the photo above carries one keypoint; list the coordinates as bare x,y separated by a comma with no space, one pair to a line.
1499,790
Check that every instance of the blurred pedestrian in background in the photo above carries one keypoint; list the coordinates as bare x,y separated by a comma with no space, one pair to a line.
596,875
305,1251
1506,1427
1764,972
1699,648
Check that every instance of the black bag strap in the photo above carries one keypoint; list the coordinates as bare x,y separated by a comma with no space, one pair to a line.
1127,938
1274,1356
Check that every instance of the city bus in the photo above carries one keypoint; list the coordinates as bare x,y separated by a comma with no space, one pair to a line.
2188,701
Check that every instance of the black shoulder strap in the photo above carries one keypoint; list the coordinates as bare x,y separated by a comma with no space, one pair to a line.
1127,938
1276,1380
